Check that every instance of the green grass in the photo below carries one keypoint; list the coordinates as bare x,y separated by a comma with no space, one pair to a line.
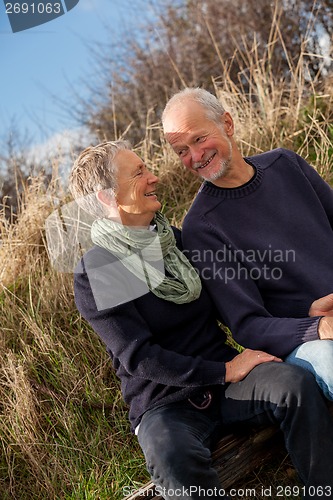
64,429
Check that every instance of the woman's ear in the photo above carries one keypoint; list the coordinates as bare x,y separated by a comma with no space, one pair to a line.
108,199
105,198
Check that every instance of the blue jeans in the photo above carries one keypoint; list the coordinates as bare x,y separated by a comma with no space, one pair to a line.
177,438
317,357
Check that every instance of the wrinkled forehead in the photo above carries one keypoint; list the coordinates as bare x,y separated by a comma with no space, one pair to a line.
183,117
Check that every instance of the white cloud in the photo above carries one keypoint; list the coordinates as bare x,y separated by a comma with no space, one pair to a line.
59,150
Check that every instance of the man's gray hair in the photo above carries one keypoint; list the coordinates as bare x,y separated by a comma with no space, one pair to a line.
213,107
94,170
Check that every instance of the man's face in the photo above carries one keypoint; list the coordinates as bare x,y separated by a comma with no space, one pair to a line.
203,146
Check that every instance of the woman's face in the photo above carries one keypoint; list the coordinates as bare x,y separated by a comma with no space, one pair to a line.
135,197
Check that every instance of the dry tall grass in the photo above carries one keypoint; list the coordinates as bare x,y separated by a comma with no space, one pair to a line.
64,431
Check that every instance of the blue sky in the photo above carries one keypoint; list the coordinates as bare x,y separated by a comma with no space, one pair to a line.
46,61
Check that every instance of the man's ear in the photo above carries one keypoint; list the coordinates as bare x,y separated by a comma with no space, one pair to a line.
228,124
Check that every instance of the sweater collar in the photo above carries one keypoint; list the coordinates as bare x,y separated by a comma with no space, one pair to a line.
237,192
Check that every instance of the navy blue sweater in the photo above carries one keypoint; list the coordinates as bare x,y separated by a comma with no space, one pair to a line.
265,250
162,352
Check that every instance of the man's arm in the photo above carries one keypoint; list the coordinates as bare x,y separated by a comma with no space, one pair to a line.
324,305
322,188
239,302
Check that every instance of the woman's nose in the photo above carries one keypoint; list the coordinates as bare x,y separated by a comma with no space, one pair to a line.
153,178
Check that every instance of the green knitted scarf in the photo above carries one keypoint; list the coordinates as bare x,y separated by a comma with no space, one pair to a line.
137,247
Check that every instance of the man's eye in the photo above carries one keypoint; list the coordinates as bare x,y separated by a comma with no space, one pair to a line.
182,152
202,138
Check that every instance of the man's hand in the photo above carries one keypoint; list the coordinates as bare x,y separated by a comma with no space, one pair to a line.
325,328
243,363
322,306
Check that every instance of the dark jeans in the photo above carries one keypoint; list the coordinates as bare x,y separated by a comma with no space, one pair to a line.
177,438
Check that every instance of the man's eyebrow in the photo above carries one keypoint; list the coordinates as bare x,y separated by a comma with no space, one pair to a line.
180,143
176,139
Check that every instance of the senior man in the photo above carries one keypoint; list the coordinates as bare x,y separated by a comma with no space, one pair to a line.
260,233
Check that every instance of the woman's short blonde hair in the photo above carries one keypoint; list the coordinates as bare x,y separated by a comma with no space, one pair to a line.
95,170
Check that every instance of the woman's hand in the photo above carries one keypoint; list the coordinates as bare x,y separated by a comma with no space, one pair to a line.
322,306
243,363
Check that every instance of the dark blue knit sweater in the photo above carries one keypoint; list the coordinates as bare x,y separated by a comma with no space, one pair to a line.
265,250
161,351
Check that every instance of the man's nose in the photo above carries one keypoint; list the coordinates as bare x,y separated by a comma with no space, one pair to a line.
197,153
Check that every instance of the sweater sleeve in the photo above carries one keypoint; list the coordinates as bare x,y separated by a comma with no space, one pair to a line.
322,188
131,344
238,299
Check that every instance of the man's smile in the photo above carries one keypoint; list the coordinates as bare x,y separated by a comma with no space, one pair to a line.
197,166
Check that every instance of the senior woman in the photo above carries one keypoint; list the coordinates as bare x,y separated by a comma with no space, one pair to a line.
182,383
